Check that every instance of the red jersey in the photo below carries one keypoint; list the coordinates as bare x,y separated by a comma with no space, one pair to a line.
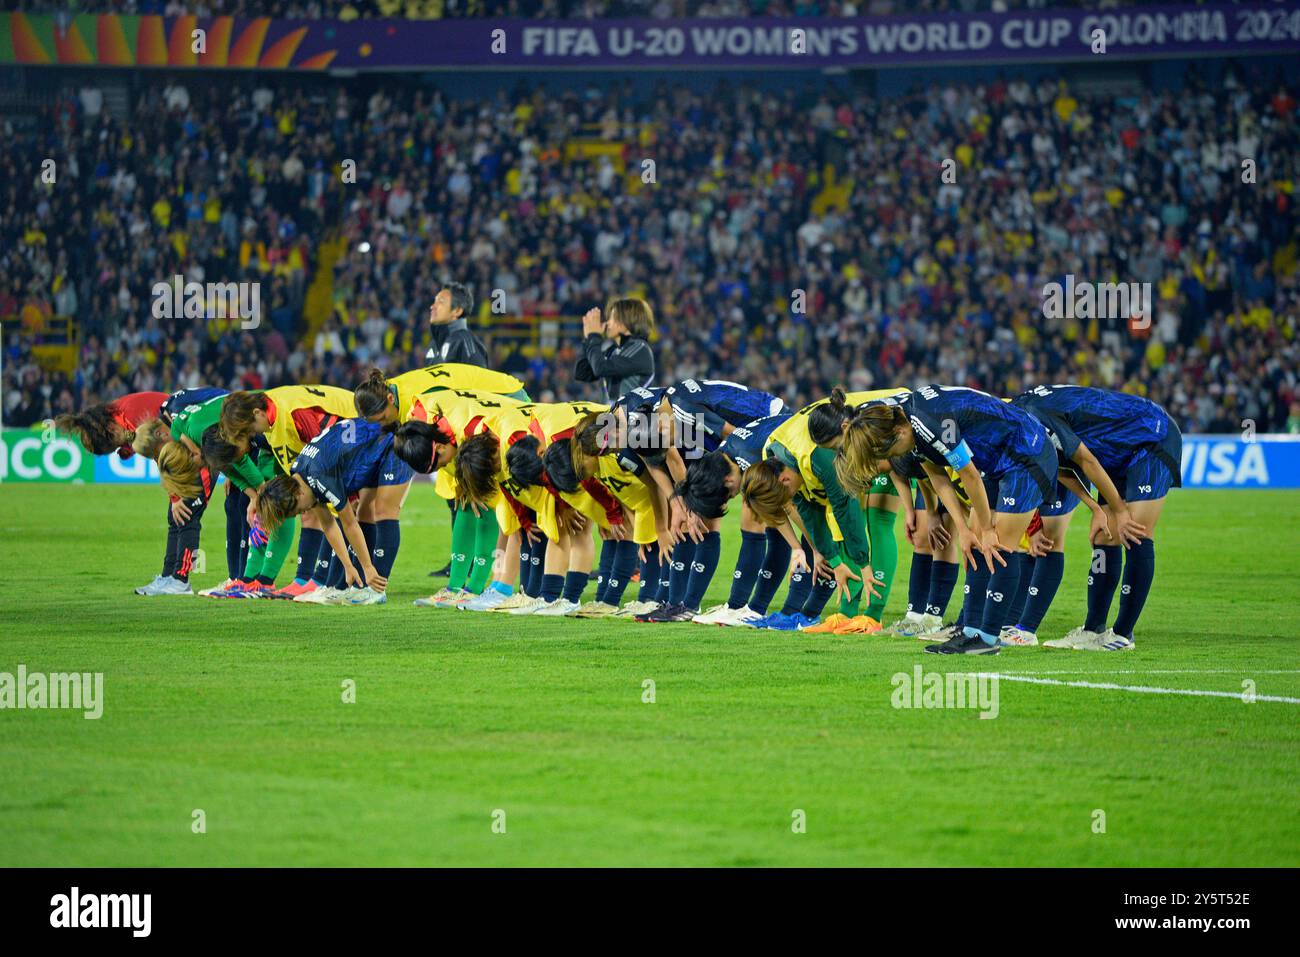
133,409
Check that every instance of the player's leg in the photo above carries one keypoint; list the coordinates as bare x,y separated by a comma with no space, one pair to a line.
882,514
913,621
749,564
944,569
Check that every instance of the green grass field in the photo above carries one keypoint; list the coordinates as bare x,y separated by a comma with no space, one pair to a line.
235,708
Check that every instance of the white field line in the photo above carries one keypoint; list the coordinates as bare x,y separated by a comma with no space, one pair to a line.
1140,689
1244,672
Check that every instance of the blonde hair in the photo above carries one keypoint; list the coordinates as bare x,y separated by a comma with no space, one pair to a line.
635,315
178,471
277,502
150,437
762,490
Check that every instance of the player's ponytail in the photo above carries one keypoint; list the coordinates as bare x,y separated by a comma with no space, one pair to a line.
416,442
595,433
704,490
764,492
477,464
872,432
558,462
150,436
238,412
524,461
277,502
372,395
827,419
93,426
178,471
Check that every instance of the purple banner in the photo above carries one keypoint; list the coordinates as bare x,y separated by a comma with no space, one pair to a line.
757,43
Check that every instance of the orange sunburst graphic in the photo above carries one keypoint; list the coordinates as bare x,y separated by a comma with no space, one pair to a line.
180,46
70,46
110,42
151,42
282,51
218,42
27,48
249,45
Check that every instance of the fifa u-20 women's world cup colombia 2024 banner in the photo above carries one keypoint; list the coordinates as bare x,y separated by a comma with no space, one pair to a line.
785,43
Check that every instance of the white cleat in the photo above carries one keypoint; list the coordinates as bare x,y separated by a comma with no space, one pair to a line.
529,607
594,609
151,588
517,600
1108,641
174,586
634,608
1074,638
710,615
209,592
321,596
365,596
558,608
489,600
912,625
1017,636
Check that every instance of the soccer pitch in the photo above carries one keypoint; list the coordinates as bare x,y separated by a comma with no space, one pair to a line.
498,740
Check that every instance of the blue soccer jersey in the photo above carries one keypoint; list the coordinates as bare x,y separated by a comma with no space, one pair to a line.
347,457
179,400
955,425
1113,425
744,445
706,406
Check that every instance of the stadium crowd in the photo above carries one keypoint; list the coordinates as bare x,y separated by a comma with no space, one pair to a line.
551,9
789,240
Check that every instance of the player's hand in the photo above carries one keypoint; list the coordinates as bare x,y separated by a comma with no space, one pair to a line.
1128,528
1040,544
843,574
616,533
799,563
1099,527
666,544
352,576
696,527
909,526
939,537
180,512
591,324
532,535
821,567
375,580
257,536
987,542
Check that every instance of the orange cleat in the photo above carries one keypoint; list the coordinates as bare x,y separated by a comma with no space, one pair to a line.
859,625
828,626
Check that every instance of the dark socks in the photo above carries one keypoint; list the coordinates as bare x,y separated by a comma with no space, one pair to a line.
753,549
918,583
388,538
1139,571
535,573
682,559
1024,563
1048,571
775,564
1103,579
977,586
574,583
309,543
605,567
822,590
1001,593
625,559
703,567
649,589
943,579
553,586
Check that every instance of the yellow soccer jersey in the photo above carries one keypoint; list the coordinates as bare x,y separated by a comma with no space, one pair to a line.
409,386
282,436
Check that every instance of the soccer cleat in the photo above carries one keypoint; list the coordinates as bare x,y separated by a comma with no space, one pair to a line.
743,617
594,609
670,613
529,607
558,608
225,585
1015,636
258,590
489,600
365,596
645,615
444,598
963,645
828,626
173,586
1073,639
858,625
236,590
308,589
151,588
290,591
940,633
634,608
320,596
707,617
913,625
782,622
517,600
1107,640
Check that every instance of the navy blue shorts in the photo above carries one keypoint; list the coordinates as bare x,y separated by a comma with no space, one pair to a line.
1064,502
1152,470
1025,488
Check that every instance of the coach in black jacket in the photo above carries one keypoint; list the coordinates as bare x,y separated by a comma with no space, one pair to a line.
616,350
452,341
